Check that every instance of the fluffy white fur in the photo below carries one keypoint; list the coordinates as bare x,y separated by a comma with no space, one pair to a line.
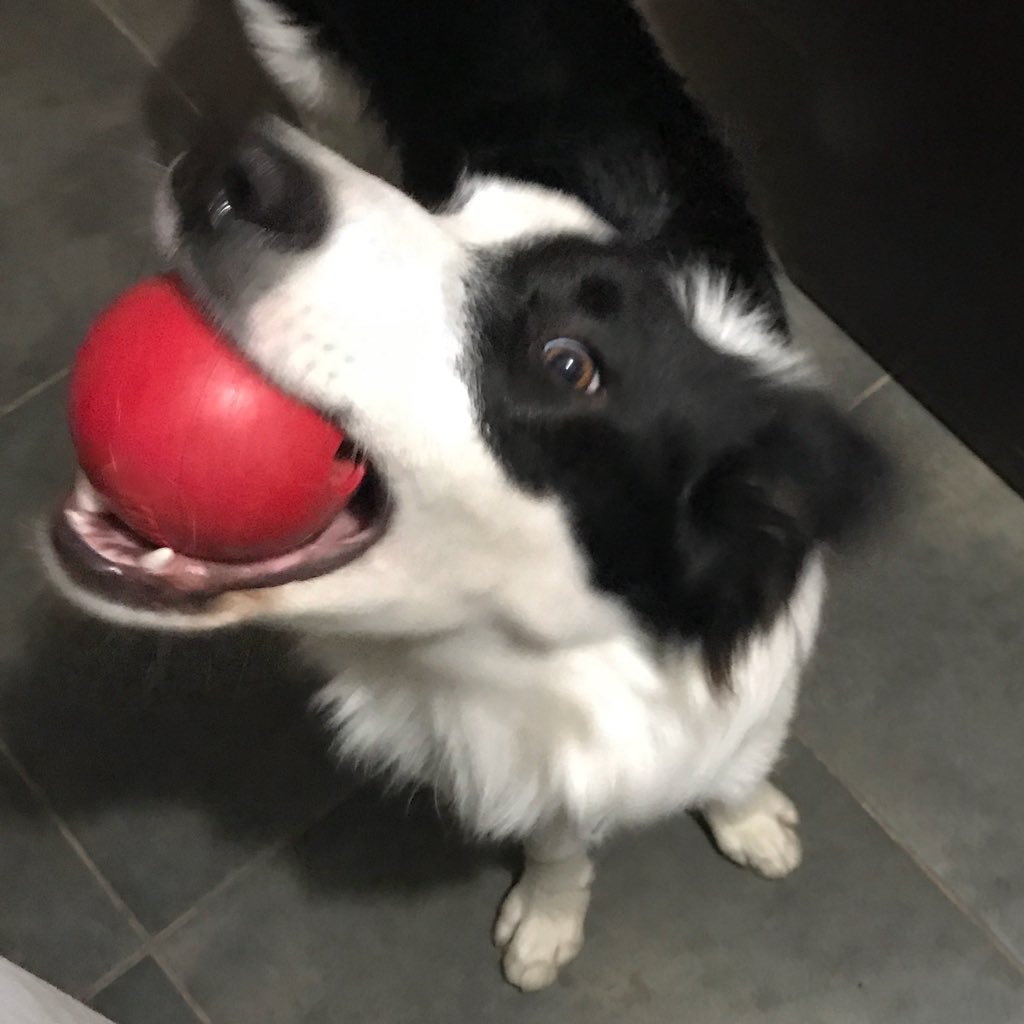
733,324
589,728
286,51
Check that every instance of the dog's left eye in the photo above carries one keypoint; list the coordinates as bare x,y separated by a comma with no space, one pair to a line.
569,362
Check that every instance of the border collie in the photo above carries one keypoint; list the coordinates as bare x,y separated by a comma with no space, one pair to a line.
580,583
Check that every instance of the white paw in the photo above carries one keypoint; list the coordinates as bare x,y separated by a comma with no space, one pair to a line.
762,836
540,930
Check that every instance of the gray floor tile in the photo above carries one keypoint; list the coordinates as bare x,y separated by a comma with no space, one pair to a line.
173,759
37,466
75,196
55,919
846,369
916,698
374,918
199,45
143,996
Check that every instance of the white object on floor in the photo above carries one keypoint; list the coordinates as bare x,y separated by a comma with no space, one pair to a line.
28,1000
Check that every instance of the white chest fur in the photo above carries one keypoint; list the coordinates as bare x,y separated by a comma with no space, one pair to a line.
615,732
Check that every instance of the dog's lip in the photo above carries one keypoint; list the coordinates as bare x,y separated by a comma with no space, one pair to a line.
178,581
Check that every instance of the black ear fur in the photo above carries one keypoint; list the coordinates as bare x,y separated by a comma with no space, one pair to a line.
807,477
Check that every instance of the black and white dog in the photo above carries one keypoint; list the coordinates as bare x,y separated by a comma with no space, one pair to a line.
581,582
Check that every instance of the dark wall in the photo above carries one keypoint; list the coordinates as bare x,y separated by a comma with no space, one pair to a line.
885,145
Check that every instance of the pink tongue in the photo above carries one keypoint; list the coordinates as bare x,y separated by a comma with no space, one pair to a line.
346,477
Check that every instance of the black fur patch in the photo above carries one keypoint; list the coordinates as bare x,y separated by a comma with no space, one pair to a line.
697,487
572,94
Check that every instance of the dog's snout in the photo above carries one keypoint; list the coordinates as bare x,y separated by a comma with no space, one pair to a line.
258,181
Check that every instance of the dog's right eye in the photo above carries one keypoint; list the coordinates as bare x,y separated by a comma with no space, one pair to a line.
569,362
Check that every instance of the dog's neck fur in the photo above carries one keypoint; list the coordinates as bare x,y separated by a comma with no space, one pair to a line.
611,729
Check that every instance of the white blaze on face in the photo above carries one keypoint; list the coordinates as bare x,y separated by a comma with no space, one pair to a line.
369,323
489,211
372,323
371,326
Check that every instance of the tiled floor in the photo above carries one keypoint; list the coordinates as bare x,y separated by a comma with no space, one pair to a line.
174,844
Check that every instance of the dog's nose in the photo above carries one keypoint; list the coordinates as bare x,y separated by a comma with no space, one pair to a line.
258,181
261,185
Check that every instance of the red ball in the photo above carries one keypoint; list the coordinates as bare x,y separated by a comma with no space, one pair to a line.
190,445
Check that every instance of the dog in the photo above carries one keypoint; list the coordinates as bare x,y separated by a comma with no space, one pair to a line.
579,585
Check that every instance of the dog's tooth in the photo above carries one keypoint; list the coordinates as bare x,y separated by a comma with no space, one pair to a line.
87,498
156,560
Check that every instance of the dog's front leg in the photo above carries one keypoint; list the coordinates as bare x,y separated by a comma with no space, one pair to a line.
540,924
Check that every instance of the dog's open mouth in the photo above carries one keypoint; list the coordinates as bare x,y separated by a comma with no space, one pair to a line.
102,554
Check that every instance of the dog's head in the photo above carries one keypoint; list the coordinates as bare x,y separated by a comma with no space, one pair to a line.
562,428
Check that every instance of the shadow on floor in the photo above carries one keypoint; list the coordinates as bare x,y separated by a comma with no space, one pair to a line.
105,718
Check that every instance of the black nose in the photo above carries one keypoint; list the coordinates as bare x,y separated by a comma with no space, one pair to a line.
257,181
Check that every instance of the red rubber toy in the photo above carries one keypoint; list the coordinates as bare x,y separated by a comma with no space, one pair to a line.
191,447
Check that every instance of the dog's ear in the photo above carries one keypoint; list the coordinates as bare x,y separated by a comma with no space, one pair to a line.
746,526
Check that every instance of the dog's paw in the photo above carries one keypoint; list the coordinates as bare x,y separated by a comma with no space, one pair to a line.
540,929
761,836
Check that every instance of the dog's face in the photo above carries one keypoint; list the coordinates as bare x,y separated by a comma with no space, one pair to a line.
562,429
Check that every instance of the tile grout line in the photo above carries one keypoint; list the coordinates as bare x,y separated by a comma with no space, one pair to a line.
122,967
870,390
123,28
146,941
149,58
264,854
179,986
260,857
151,946
37,389
79,850
73,841
143,50
947,891
152,941
109,976
191,912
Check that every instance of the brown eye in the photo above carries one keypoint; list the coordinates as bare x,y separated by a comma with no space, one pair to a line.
570,363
